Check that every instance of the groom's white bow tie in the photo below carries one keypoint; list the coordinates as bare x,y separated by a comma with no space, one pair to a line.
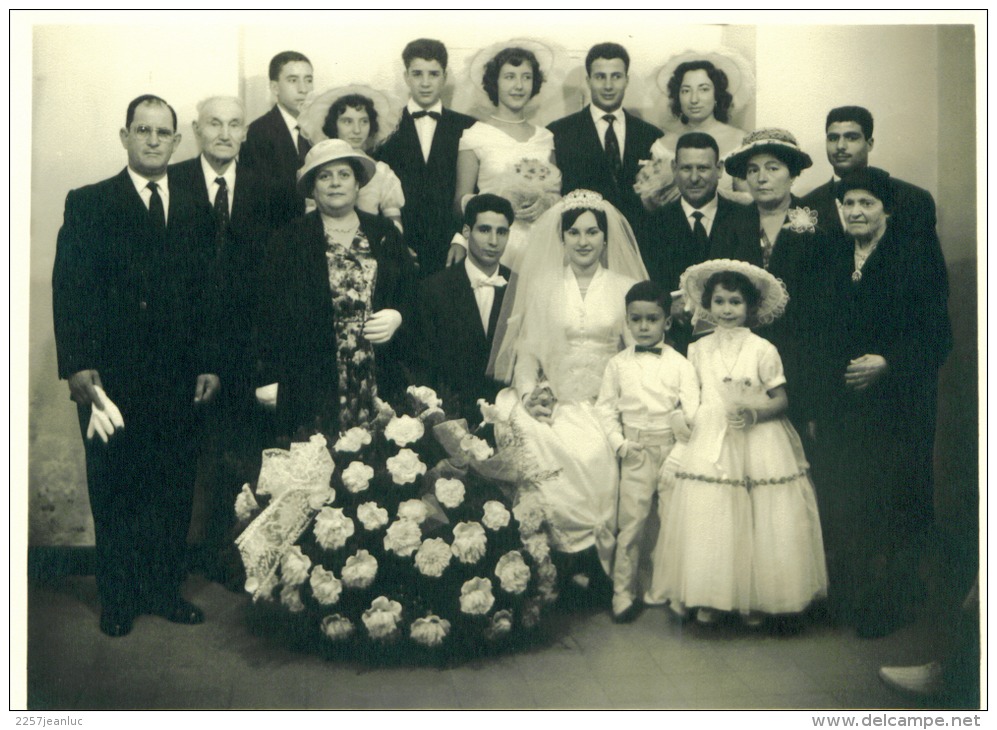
494,280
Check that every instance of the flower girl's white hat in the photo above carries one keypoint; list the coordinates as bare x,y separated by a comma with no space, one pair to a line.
778,142
327,151
771,305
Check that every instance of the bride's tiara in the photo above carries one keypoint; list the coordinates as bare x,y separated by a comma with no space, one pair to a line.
582,199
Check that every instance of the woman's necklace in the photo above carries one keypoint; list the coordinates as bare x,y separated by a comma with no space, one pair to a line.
860,259
508,121
737,355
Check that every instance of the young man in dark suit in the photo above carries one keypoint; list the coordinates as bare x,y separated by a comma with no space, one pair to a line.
423,153
135,341
848,143
274,145
235,204
599,148
459,311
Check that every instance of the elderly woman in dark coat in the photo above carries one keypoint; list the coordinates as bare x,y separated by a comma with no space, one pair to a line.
880,334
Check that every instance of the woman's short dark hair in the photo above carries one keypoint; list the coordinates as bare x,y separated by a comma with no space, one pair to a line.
723,98
733,281
349,101
569,217
514,57
784,156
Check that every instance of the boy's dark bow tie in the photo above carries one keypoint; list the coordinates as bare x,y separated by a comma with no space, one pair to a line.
423,113
647,348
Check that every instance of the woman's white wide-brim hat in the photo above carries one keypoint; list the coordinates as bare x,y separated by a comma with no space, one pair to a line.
316,109
330,150
546,55
740,78
774,296
772,140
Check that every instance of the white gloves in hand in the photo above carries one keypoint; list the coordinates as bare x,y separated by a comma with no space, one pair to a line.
104,422
671,465
381,325
677,422
266,395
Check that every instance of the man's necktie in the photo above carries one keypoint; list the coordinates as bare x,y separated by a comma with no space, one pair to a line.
221,212
157,213
699,233
423,113
613,148
303,146
647,348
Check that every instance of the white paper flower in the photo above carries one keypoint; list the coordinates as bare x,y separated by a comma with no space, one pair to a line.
537,546
357,476
500,626
513,572
337,627
477,449
372,516
326,587
359,570
424,396
469,542
245,504
333,528
319,497
413,509
547,581
450,492
405,467
476,597
404,430
382,618
403,537
529,513
290,596
433,557
430,631
294,566
384,411
353,440
489,413
496,515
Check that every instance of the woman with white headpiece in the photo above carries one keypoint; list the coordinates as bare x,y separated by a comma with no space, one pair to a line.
564,318
506,154
364,118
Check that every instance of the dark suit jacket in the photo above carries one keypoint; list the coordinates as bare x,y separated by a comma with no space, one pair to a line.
453,346
269,149
237,260
428,185
297,334
131,303
583,164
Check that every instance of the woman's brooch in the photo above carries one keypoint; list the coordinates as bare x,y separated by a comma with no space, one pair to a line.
801,220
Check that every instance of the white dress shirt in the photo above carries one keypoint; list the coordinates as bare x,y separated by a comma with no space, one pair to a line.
619,126
209,179
709,212
141,185
425,126
483,287
291,122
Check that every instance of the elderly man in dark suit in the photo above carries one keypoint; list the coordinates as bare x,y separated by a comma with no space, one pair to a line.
423,153
274,145
599,148
134,338
459,311
235,203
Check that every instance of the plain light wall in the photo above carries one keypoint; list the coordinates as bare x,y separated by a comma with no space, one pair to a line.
84,77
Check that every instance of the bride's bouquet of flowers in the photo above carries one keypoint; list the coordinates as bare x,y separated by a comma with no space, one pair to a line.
532,186
398,545
655,183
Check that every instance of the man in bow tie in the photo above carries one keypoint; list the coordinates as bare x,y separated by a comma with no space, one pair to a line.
460,308
234,204
135,341
423,154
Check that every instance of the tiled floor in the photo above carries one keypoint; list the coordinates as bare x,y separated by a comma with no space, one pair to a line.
591,663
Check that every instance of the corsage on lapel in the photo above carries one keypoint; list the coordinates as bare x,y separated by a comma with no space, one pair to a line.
801,220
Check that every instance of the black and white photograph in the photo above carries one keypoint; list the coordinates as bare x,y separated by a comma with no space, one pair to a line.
498,360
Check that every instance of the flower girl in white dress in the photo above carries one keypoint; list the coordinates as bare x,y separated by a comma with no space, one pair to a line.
742,533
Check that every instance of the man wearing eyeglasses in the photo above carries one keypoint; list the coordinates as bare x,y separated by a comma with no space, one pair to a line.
135,340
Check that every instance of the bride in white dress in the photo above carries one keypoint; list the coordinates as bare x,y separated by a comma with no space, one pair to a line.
506,154
566,316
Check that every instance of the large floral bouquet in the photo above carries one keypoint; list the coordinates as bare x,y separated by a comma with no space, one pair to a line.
532,186
369,552
655,183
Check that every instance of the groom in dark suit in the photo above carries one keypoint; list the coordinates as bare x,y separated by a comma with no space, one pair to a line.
599,147
423,153
459,311
274,146
134,332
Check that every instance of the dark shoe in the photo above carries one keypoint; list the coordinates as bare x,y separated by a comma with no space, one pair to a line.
627,616
116,622
180,611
